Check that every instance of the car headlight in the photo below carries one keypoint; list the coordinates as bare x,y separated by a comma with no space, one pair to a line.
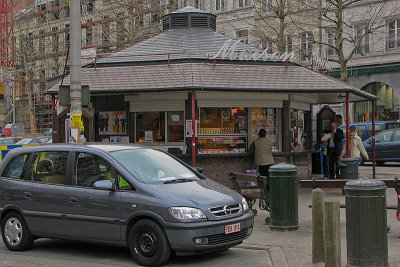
186,213
245,205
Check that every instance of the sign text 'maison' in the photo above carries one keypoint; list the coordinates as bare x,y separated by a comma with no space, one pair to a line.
228,51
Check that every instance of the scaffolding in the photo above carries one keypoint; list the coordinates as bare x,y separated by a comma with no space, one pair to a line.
43,113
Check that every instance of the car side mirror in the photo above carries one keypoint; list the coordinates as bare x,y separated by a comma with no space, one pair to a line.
198,169
105,185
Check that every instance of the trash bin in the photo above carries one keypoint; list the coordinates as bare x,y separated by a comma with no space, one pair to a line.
366,226
348,168
283,187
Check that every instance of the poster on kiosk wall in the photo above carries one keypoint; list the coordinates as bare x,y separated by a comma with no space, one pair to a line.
112,122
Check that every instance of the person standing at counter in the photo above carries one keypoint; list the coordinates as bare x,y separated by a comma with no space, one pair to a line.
334,150
262,150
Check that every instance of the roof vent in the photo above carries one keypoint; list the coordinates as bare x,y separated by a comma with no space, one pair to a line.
179,21
198,21
189,17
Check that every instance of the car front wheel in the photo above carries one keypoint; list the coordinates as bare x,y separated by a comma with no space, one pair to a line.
15,232
148,243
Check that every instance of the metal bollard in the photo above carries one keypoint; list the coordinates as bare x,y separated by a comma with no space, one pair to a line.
366,226
283,187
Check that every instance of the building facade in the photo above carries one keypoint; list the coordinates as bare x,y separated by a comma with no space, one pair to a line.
41,29
373,51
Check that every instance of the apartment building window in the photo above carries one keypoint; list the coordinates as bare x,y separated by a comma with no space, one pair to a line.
219,5
244,3
29,43
267,45
66,11
89,35
120,29
331,39
394,35
87,7
139,20
173,5
362,32
266,6
42,40
54,39
288,43
306,40
106,30
199,4
42,77
243,36
66,36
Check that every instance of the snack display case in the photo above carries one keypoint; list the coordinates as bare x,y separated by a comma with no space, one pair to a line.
222,144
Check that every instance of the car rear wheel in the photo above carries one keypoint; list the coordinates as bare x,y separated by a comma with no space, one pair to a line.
15,232
148,243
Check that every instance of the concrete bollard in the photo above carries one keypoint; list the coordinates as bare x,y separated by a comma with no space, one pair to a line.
332,233
318,253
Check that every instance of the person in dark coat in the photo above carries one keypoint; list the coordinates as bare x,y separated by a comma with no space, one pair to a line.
334,150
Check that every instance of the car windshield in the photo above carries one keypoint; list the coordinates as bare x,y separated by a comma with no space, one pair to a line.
154,167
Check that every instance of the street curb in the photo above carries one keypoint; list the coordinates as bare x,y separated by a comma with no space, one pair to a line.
279,256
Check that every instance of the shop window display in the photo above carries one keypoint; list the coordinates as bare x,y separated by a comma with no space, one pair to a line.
175,126
298,138
222,130
150,127
265,118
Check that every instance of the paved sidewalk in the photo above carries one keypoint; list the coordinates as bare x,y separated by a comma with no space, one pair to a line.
293,248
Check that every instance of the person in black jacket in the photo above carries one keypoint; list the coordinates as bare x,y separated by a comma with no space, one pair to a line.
334,150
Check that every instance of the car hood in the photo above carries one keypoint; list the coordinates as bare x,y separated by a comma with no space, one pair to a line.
202,194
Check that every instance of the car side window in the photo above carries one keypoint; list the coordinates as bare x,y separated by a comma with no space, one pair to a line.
383,136
50,167
123,184
90,168
16,167
396,136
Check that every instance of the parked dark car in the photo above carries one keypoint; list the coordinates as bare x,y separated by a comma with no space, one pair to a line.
127,195
387,146
364,129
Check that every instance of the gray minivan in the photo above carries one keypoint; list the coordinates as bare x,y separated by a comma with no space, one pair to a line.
126,195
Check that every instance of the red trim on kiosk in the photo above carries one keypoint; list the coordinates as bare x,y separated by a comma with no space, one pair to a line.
347,124
193,131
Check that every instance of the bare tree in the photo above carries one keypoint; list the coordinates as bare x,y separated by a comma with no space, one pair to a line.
277,21
136,20
349,26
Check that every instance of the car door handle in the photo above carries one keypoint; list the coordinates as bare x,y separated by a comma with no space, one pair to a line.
27,195
73,200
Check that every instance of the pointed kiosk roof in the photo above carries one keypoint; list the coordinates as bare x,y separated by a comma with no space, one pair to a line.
180,59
